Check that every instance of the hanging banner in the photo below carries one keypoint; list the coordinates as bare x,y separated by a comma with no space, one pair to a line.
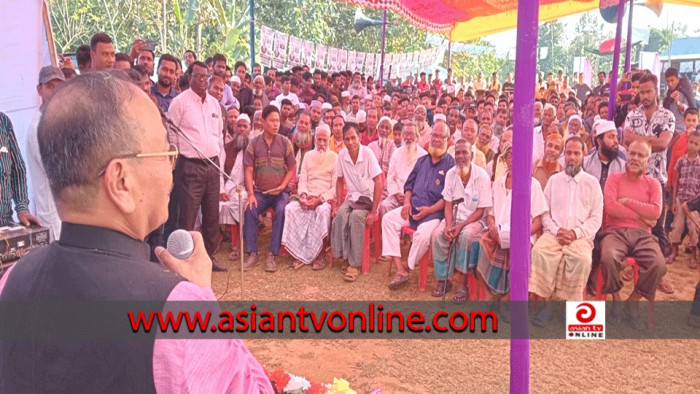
332,60
342,59
359,61
308,53
295,51
320,57
267,38
369,65
351,60
280,50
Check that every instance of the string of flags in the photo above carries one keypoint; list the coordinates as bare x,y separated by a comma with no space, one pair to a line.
283,51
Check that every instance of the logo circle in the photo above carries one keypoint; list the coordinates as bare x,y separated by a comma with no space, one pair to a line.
585,312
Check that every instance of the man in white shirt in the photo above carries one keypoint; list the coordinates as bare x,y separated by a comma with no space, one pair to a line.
197,184
382,148
286,94
50,78
471,183
232,159
561,257
401,164
548,115
359,170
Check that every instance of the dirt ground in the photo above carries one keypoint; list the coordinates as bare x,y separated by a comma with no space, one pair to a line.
455,366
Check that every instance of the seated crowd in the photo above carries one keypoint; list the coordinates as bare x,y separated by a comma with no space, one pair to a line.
329,157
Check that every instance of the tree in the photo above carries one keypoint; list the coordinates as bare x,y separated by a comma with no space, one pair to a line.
551,36
662,39
470,64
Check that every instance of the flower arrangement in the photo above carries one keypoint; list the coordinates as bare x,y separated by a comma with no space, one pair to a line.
286,383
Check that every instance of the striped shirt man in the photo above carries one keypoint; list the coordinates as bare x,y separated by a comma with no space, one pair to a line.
13,183
270,162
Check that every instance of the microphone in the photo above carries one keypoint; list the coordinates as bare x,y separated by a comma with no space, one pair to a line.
180,244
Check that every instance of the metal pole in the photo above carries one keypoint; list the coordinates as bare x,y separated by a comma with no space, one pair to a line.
449,55
251,5
616,60
628,48
523,119
381,66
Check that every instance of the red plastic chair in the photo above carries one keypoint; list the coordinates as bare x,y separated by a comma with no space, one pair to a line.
635,268
376,231
423,263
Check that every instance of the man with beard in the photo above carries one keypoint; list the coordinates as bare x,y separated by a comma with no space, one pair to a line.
633,204
402,162
327,113
605,159
416,182
549,164
163,90
146,58
307,221
232,157
302,140
259,90
471,183
382,147
315,110
679,97
500,123
359,170
655,125
540,133
286,118
269,167
356,88
371,134
453,121
336,143
420,117
561,257
484,141
469,133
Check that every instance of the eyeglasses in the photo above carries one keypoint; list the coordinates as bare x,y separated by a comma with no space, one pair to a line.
171,154
437,137
199,76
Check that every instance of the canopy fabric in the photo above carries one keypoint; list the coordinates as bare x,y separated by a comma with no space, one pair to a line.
468,20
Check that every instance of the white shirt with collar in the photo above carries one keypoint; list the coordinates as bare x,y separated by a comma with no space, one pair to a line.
200,121
537,144
400,167
476,194
359,176
574,203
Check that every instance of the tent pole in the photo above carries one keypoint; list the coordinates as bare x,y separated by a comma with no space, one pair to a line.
628,47
616,60
381,66
523,119
251,5
449,55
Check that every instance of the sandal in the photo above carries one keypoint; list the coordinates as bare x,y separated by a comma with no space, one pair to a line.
627,275
351,274
297,264
542,318
319,264
441,288
461,295
397,281
665,286
234,255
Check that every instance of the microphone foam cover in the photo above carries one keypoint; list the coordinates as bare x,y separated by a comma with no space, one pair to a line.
180,244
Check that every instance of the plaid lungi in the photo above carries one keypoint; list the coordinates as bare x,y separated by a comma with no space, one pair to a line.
305,230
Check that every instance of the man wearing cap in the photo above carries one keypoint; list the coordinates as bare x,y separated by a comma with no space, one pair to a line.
307,221
549,165
259,90
382,147
50,78
315,111
540,133
606,158
232,158
420,115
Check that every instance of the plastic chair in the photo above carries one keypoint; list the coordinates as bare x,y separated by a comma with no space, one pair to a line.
635,268
376,232
426,259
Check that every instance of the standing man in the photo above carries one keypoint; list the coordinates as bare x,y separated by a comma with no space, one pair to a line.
101,52
163,90
199,117
653,124
50,78
359,170
269,166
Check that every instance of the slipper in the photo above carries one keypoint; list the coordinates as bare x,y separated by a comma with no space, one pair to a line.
319,264
441,288
351,274
297,264
627,275
461,295
542,318
665,287
397,281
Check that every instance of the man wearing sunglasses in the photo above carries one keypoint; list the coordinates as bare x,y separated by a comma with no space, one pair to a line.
109,166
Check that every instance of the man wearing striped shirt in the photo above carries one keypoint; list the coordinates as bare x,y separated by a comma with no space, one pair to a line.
13,183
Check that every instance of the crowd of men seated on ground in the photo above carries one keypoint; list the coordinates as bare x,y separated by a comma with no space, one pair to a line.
328,157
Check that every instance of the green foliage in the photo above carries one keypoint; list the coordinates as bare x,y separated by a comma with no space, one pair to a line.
467,64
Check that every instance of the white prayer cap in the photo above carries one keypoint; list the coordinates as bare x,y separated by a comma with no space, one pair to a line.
316,104
421,106
387,98
361,116
243,117
302,106
439,117
603,126
385,118
345,94
326,106
325,127
235,78
275,103
368,97
572,117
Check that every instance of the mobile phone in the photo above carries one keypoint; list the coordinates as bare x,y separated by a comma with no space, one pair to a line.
150,45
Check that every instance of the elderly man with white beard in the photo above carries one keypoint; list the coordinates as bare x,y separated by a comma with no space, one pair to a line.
382,147
308,220
420,115
562,256
259,90
401,165
471,183
232,158
422,206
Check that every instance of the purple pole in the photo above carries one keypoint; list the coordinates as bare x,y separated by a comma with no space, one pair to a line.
381,66
628,47
616,60
523,121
